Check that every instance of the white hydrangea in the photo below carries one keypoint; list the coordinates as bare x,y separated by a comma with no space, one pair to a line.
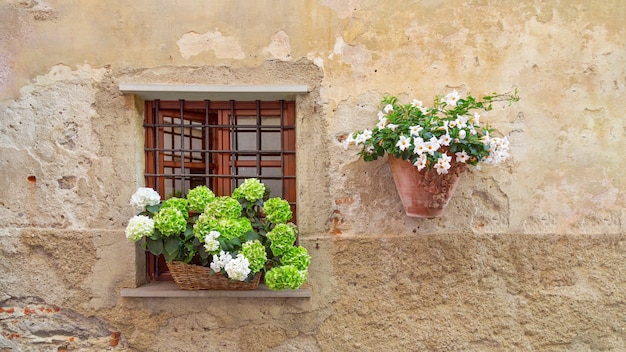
144,197
211,244
220,261
138,227
238,268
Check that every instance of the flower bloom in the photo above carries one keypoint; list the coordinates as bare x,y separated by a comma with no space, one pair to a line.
421,162
462,157
220,261
451,98
285,277
415,130
445,140
277,210
199,197
281,238
251,189
238,268
420,146
254,251
170,221
138,227
296,256
144,197
403,143
432,146
382,123
443,164
462,134
388,108
211,244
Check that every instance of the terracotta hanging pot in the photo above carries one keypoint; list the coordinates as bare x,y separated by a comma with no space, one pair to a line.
424,194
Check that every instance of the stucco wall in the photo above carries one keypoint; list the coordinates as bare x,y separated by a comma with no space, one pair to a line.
528,256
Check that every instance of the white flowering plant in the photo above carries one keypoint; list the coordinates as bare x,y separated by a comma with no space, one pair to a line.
236,236
430,137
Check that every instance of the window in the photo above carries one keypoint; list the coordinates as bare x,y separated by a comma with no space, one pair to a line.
218,144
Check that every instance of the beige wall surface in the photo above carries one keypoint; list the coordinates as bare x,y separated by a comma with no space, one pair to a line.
530,255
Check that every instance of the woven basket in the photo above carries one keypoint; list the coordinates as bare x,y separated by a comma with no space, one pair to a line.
195,277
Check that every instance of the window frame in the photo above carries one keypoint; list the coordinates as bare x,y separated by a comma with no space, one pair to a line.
219,135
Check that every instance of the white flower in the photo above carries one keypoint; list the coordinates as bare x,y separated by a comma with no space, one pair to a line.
486,140
498,151
421,162
445,140
461,121
432,146
420,146
451,98
388,108
211,244
392,126
138,227
144,197
382,123
476,119
443,164
462,134
404,143
415,130
238,268
461,157
416,103
350,140
220,261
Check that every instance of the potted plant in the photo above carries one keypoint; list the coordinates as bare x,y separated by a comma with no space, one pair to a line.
430,147
225,242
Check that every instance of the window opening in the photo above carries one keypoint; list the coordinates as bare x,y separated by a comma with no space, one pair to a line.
218,144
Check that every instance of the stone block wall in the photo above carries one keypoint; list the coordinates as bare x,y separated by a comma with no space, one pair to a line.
528,256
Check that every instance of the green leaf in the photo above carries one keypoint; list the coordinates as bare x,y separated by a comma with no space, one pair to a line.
153,208
171,245
154,246
169,257
251,236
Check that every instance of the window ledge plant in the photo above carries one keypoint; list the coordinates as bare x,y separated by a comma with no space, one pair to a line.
237,236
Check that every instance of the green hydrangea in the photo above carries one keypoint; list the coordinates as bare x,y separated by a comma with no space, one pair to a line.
178,203
170,221
285,277
199,198
277,210
251,189
282,237
229,228
224,207
254,251
296,256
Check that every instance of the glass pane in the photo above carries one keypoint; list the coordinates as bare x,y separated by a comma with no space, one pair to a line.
270,120
270,141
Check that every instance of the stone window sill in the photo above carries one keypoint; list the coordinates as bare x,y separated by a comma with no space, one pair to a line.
168,289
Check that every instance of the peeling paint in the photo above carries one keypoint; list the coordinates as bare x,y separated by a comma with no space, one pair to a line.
223,47
279,47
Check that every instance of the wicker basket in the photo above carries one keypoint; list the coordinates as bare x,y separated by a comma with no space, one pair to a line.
195,277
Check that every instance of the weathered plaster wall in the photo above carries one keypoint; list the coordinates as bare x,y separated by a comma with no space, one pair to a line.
529,256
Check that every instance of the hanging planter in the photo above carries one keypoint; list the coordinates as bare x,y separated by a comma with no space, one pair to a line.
430,148
425,193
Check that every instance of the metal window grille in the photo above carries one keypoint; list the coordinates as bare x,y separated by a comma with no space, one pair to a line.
219,144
